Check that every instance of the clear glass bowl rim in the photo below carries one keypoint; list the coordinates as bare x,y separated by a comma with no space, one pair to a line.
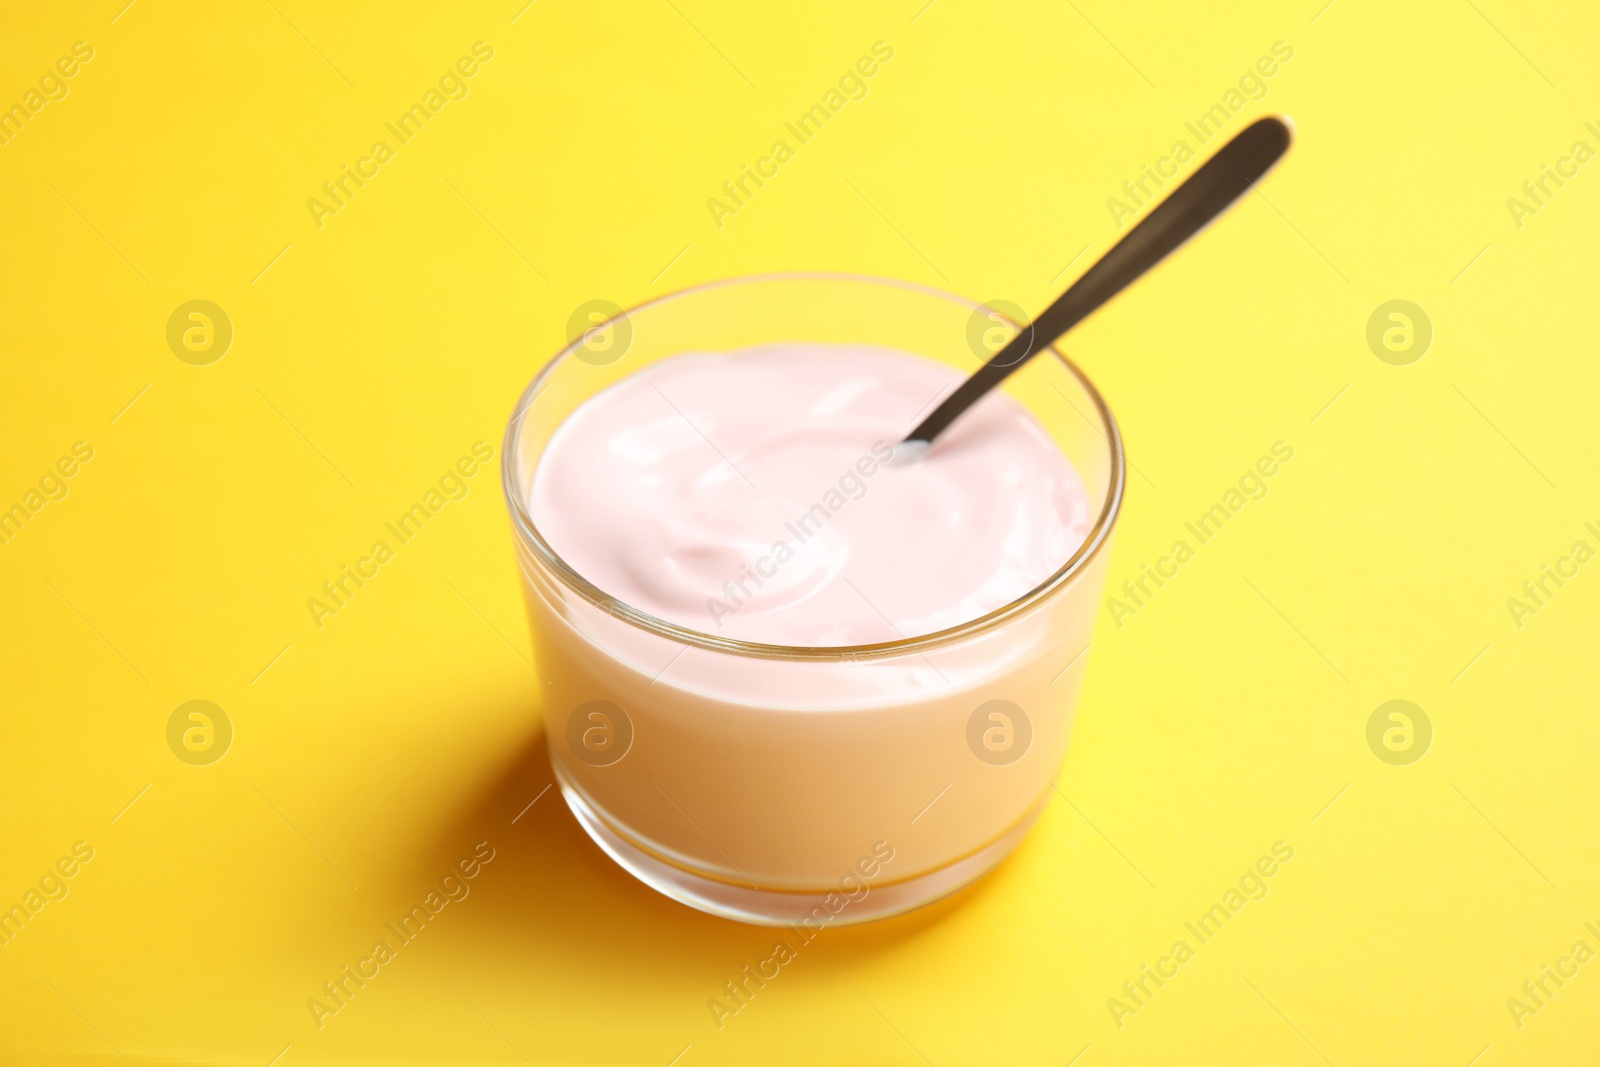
528,534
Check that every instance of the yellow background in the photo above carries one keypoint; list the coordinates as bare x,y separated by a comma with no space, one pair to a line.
379,749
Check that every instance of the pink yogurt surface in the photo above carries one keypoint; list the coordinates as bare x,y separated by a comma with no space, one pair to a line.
757,495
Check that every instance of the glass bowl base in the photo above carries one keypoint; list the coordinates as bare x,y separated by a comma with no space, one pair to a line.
769,907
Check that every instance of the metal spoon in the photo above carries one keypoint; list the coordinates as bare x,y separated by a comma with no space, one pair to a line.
1206,194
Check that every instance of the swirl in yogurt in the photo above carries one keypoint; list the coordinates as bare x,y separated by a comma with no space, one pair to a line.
756,495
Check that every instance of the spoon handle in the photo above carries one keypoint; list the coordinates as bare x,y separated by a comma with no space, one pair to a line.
1207,193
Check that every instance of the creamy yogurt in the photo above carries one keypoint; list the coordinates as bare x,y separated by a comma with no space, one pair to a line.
757,495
